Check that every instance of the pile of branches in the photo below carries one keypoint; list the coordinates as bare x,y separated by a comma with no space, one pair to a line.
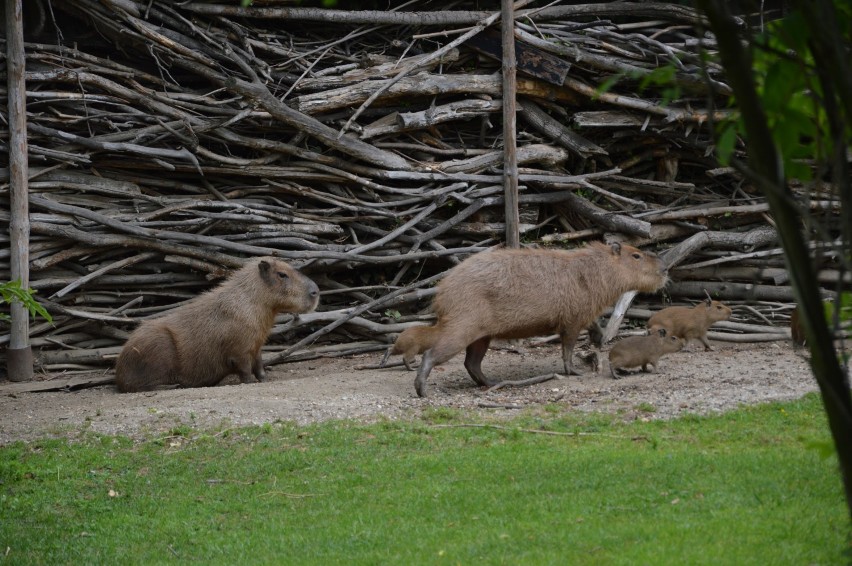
168,142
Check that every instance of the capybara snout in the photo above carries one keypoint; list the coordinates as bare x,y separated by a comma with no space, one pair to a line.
218,333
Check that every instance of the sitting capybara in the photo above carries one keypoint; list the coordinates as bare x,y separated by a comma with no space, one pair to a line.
690,322
642,351
523,293
215,334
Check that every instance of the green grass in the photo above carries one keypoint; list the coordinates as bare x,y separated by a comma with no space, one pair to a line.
748,487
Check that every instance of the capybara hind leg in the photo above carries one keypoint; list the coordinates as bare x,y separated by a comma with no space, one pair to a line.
146,362
568,341
473,361
257,367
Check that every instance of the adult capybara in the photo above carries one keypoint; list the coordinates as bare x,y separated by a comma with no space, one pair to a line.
690,322
215,334
523,293
643,351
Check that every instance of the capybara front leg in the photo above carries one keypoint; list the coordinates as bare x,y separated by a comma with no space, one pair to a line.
445,347
568,341
257,367
423,372
707,346
473,361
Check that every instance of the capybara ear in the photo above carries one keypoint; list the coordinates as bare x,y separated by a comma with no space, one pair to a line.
265,271
616,248
662,332
708,301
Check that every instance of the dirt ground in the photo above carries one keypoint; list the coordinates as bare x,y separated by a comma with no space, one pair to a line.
690,381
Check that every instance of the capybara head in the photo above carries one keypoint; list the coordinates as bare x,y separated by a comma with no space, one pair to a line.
286,288
714,311
650,270
669,343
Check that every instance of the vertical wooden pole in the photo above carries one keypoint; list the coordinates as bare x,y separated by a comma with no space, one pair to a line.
510,158
19,356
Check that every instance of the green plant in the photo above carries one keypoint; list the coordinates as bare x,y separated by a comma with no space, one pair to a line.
740,488
14,291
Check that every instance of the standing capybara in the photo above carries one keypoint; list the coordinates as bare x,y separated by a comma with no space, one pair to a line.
690,322
523,293
215,334
643,351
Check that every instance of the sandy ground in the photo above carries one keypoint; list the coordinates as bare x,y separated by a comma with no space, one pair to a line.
690,381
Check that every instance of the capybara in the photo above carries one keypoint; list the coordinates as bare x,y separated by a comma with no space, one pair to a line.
522,293
690,322
411,342
216,334
418,339
643,351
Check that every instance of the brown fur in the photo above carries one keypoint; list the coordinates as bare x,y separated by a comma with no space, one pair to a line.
411,342
642,351
215,334
690,323
523,293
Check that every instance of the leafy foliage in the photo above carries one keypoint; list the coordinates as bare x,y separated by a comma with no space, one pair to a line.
791,95
14,291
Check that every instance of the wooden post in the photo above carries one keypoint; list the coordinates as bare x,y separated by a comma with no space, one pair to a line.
19,355
510,158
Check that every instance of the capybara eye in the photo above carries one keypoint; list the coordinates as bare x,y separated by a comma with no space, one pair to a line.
283,275
637,256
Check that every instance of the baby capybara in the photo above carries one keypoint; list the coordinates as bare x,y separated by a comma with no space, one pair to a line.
215,334
523,293
642,351
690,322
411,342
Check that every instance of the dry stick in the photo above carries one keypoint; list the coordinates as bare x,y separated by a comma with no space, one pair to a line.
434,56
556,131
106,269
521,382
345,318
221,243
510,143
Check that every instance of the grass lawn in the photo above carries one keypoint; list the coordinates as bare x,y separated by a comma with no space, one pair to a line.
754,486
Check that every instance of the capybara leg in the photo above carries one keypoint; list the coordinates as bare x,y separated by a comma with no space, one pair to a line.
386,356
568,341
473,361
423,372
613,372
242,366
257,367
595,334
445,347
707,346
147,362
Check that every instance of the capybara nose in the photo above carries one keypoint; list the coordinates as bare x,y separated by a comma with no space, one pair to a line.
313,290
